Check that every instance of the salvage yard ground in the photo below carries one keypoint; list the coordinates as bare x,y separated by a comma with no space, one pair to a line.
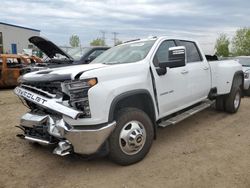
210,149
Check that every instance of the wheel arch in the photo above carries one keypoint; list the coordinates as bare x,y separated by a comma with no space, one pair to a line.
140,99
241,82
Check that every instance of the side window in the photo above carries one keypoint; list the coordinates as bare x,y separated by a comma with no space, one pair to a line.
162,52
193,54
14,63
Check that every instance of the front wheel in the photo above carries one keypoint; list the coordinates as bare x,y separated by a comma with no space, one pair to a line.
132,137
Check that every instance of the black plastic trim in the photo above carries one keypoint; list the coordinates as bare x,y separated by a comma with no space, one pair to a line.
125,95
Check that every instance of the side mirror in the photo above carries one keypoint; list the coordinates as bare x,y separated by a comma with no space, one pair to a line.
176,58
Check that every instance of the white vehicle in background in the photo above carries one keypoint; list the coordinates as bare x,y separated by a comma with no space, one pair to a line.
245,62
117,101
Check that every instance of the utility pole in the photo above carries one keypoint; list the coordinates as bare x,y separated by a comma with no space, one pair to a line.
103,37
115,37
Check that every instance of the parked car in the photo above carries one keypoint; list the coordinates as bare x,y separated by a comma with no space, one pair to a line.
86,54
59,58
12,66
245,62
115,103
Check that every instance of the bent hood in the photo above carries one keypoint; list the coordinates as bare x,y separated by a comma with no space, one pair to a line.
59,74
48,47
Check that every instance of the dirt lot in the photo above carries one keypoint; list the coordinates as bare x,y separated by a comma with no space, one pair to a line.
210,149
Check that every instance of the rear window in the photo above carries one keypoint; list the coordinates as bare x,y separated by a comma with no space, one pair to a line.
193,54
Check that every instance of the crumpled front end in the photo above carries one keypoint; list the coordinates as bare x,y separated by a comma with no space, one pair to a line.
49,103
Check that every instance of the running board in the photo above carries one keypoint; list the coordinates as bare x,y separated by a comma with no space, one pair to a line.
186,114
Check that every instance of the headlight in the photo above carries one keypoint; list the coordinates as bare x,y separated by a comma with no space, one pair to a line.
78,93
81,84
246,74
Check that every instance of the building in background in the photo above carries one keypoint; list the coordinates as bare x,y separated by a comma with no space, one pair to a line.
14,38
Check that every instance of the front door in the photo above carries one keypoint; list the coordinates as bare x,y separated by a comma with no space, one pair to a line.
171,87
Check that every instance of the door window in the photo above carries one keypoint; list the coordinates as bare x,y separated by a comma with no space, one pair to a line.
162,52
14,63
193,54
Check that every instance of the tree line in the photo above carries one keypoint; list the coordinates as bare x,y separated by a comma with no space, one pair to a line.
240,44
74,41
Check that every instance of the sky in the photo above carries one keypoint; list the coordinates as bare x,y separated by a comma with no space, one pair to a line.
201,20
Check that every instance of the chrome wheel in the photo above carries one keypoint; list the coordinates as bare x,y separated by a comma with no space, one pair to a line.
237,100
132,137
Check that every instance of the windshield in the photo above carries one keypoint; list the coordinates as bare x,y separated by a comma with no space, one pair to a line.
77,53
125,53
244,61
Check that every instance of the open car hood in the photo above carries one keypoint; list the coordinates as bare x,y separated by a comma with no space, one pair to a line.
48,47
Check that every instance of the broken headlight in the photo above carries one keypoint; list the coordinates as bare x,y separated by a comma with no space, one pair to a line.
78,93
246,74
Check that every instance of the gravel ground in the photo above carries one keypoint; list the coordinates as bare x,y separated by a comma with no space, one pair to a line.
210,149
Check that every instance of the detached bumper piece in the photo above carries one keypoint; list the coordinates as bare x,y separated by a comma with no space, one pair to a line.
45,129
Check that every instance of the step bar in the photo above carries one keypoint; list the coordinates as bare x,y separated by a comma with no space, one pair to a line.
176,119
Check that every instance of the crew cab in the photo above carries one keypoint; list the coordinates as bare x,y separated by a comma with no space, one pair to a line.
116,103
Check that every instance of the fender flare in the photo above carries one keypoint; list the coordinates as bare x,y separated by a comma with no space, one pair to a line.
238,73
125,95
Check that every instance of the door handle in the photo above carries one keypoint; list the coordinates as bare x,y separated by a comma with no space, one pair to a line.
184,72
205,68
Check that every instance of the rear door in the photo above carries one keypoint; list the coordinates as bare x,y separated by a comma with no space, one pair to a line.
199,76
171,87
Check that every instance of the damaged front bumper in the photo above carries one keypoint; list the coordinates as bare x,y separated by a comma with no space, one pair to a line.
51,129
80,140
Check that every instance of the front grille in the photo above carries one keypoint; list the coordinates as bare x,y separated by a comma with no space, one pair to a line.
50,87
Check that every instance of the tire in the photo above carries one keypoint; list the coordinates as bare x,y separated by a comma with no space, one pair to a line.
220,103
132,138
247,92
233,100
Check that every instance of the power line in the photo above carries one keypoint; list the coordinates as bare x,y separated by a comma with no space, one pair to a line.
103,36
115,37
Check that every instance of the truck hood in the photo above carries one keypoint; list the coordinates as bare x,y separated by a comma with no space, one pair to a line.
48,47
59,74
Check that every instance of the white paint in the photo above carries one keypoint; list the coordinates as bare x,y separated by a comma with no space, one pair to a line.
175,90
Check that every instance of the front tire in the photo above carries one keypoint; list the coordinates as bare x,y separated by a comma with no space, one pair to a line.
132,137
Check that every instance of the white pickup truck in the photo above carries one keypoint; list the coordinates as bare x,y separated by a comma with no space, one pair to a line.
116,103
